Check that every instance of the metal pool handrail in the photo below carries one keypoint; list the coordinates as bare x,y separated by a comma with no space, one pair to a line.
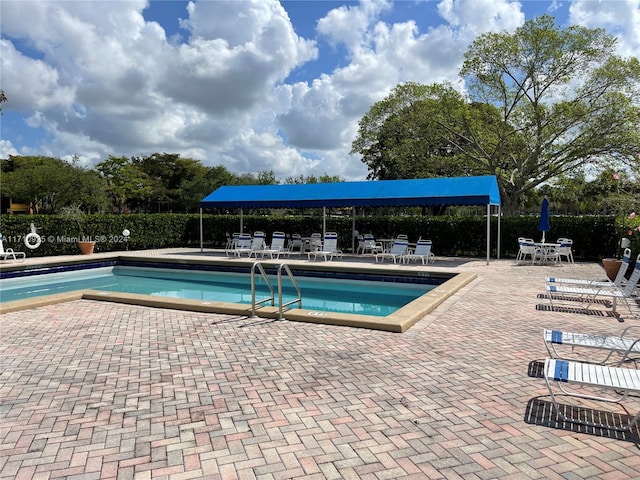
295,285
253,287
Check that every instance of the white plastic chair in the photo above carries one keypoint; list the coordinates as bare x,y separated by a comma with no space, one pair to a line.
565,249
398,250
277,246
329,248
243,244
257,243
296,243
422,252
369,243
10,253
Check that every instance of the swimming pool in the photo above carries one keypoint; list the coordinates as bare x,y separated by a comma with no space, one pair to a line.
436,287
363,297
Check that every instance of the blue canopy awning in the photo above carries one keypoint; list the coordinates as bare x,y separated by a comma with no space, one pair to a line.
418,192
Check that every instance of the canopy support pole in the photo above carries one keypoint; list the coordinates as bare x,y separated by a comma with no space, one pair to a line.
324,221
241,222
499,220
488,231
201,235
353,229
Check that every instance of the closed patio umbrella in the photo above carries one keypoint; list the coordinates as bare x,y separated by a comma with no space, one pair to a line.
543,225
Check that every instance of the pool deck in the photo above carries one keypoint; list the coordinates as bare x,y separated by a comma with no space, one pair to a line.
101,390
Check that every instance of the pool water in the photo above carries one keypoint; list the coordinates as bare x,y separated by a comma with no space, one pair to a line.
363,297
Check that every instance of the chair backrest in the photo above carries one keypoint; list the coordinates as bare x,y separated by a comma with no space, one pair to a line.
527,245
257,243
423,248
399,247
633,279
402,236
330,242
277,241
244,241
626,261
2,252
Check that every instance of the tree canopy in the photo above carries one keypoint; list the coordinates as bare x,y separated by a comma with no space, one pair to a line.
541,102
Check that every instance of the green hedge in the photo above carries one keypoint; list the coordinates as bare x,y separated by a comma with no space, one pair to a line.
594,237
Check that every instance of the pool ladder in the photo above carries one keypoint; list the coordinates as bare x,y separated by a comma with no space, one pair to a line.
263,274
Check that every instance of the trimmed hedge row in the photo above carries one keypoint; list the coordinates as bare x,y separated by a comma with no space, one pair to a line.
594,237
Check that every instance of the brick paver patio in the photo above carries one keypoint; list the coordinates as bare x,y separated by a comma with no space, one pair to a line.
93,390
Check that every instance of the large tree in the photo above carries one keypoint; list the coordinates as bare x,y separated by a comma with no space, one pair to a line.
48,184
542,101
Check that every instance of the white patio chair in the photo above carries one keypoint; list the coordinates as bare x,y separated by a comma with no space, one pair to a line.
10,253
565,249
528,249
398,250
566,375
600,282
589,295
277,245
257,243
369,243
422,252
329,248
296,243
556,340
243,245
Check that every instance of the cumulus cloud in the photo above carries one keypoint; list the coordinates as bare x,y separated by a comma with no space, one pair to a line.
620,18
101,80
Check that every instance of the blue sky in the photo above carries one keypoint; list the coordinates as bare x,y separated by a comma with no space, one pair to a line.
251,85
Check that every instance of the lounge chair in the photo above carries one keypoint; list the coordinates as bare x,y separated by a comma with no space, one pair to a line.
620,380
243,245
588,295
422,252
296,243
398,250
257,244
10,253
618,281
277,246
329,248
609,344
369,243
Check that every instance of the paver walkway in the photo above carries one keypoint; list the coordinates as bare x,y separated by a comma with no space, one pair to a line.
92,390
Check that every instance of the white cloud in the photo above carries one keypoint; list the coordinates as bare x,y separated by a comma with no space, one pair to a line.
6,149
620,18
101,80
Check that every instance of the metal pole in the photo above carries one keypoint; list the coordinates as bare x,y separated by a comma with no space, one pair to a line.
488,230
499,220
201,234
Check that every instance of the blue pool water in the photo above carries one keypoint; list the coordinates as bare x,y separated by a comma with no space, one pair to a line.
323,294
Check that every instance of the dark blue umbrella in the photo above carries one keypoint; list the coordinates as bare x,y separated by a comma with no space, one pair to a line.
544,225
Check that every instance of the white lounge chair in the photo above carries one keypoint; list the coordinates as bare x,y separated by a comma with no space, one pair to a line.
257,243
555,340
422,252
329,248
565,373
588,295
398,250
296,243
618,281
10,253
369,243
277,246
243,245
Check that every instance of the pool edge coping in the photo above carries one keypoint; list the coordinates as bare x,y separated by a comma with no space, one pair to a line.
398,322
